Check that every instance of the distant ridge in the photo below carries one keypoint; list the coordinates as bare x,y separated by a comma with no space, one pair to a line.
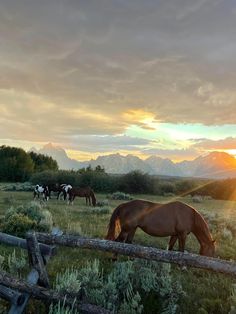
59,154
213,165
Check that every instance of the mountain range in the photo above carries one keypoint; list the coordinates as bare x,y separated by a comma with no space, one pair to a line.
213,165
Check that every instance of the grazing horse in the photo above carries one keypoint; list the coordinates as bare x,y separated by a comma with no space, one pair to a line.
174,219
41,189
86,192
65,189
61,189
53,188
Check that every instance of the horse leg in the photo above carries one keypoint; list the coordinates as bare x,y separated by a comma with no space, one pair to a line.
130,236
64,195
58,195
172,241
182,239
122,237
129,239
71,199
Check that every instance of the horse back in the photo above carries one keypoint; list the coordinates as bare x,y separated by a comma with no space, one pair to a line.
169,219
131,212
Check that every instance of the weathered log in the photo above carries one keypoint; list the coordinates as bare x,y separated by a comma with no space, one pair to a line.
183,259
49,295
19,242
36,259
12,296
32,278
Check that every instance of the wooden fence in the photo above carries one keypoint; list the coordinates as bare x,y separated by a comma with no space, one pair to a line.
139,251
37,284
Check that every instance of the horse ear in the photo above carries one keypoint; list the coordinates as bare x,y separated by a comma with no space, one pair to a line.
213,241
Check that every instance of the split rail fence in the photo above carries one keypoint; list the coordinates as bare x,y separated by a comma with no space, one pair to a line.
41,247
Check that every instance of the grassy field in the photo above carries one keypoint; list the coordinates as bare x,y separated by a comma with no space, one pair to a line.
205,292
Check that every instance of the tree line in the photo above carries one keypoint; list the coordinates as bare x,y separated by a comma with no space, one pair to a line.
16,165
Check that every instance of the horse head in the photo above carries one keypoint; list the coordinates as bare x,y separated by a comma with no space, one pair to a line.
208,249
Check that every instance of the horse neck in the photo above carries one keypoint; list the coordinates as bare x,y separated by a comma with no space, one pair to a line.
201,230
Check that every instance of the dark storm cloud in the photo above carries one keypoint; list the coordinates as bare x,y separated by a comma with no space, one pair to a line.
77,66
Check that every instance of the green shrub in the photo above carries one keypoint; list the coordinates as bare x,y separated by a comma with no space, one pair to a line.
33,210
18,225
166,188
68,282
136,182
125,287
120,196
61,309
19,220
233,300
16,264
103,203
26,186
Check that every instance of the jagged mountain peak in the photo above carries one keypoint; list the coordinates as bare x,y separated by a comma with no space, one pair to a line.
214,165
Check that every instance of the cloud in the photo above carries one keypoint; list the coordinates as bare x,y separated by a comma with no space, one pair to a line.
72,68
96,143
223,144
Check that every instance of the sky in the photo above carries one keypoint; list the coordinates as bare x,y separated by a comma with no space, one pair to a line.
141,77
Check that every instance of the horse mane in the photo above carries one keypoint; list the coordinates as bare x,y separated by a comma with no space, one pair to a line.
201,224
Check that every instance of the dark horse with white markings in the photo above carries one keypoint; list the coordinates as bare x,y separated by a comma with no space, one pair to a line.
86,192
61,189
174,219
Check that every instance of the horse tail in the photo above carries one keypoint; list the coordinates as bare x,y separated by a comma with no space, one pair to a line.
113,225
94,201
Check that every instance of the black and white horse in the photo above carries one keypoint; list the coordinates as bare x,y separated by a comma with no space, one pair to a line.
65,189
41,189
61,189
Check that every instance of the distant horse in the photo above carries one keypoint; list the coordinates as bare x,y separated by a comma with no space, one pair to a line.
41,189
86,192
55,187
65,189
61,189
174,219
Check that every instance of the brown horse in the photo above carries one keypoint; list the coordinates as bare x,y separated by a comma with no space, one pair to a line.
174,219
86,192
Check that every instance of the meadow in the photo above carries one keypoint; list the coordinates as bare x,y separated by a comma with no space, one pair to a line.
204,291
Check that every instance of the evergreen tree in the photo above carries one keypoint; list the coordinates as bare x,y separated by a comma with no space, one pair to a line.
15,164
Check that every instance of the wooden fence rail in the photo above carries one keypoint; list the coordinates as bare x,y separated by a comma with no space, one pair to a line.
18,291
19,242
183,259
52,296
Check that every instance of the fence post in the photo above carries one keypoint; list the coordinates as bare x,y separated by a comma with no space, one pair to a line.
38,272
36,259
